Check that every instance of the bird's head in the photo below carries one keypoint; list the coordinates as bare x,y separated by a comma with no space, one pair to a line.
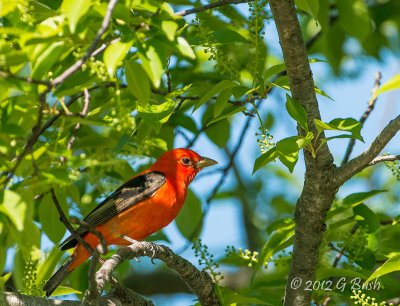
181,164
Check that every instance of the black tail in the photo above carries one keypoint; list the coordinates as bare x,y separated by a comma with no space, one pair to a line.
57,278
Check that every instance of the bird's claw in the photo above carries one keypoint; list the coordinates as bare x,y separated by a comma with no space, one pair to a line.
153,253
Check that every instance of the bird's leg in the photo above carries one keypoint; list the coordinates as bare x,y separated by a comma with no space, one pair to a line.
129,239
152,249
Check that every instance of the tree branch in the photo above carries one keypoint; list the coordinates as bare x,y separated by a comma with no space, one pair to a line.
92,48
18,299
359,163
209,7
370,108
318,190
199,282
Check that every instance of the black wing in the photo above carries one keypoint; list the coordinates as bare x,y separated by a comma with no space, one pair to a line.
133,191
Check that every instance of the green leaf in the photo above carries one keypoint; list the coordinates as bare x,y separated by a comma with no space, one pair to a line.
75,10
277,224
190,217
230,111
218,132
46,60
46,268
392,84
264,159
391,265
13,58
366,218
297,112
231,297
354,18
3,279
156,115
227,36
64,290
185,122
7,7
222,101
223,85
322,93
15,207
274,70
309,6
169,28
50,218
153,60
324,273
239,91
277,239
114,54
138,82
339,124
357,198
185,49
288,151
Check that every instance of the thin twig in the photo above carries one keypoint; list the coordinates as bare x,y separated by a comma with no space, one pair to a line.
30,142
384,158
6,74
104,46
92,48
103,244
364,117
209,7
68,225
82,114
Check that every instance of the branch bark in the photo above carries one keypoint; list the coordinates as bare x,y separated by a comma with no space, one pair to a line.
319,188
199,282
359,163
17,299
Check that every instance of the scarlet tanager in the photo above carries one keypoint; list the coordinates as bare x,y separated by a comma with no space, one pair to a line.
140,207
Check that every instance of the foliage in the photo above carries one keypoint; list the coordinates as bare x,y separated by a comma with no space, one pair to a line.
155,78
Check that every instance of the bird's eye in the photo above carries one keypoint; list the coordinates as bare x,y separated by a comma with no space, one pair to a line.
186,161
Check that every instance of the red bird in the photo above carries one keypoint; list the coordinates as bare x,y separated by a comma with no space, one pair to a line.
140,207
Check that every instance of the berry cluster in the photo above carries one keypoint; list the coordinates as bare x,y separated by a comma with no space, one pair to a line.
264,140
248,257
207,260
394,167
360,298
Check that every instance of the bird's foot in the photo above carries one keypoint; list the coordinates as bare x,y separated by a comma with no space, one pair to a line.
153,253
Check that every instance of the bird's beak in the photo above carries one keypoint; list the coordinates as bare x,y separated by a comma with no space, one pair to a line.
205,162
